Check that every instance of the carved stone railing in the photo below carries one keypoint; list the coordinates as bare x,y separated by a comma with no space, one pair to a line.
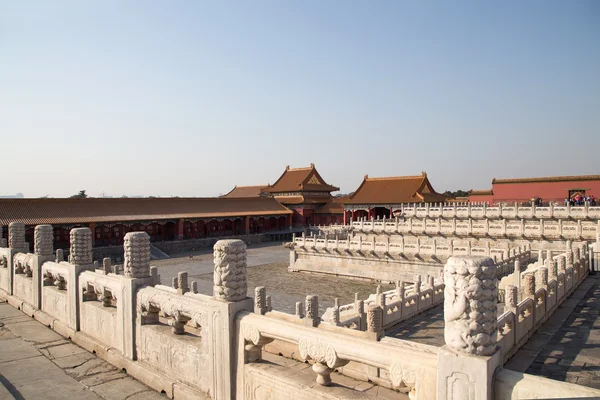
396,305
199,326
404,246
481,210
544,286
479,226
407,369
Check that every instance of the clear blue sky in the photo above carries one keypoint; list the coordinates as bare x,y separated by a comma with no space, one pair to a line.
189,98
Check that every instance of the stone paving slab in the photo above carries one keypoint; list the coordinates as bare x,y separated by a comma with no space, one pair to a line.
37,363
567,346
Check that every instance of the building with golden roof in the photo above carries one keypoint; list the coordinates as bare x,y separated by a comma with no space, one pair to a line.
383,196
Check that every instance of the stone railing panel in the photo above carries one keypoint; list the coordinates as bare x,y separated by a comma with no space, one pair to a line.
410,370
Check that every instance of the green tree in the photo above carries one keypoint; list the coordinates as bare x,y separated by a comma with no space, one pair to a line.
458,193
80,195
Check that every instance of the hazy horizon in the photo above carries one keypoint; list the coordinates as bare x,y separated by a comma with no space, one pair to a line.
189,99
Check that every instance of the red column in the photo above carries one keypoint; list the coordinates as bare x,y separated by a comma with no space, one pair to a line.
179,230
352,216
92,227
345,217
247,225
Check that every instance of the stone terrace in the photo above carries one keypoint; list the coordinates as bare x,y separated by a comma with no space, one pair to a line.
36,362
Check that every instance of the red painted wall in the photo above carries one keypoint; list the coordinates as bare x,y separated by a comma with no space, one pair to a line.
482,199
547,191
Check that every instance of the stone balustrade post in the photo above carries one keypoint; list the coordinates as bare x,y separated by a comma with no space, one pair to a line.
312,311
542,279
552,270
182,282
81,246
375,321
60,257
136,262
360,312
260,300
517,274
16,237
43,251
529,286
230,283
299,311
562,264
471,355
418,285
570,259
43,241
511,298
400,290
156,277
106,265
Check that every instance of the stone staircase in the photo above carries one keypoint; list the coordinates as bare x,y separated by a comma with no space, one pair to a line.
157,254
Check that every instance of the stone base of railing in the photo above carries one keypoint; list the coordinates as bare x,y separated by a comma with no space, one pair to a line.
461,376
172,388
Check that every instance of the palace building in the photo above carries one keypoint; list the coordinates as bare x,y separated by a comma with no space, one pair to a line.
164,219
304,192
299,198
524,190
377,197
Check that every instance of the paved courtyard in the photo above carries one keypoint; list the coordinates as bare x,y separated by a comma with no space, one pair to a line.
37,363
426,328
567,346
268,267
